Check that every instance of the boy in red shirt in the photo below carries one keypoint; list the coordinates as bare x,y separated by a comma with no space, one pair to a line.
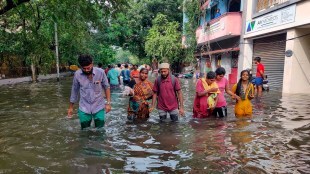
260,74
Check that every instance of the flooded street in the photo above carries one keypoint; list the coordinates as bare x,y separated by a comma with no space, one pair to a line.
36,136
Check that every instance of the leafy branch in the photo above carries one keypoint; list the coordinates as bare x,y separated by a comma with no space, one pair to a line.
10,4
163,39
191,10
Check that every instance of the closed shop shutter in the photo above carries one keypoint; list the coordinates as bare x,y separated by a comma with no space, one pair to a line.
272,52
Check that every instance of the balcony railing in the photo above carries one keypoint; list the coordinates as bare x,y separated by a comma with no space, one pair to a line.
266,4
226,26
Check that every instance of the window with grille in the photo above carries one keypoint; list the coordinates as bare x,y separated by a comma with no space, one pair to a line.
266,4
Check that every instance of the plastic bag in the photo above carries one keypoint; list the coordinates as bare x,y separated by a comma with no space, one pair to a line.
127,90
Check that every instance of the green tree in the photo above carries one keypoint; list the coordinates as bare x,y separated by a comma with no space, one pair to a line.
123,56
139,18
191,10
27,29
164,39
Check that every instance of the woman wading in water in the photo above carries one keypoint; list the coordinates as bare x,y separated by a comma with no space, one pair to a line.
138,108
244,91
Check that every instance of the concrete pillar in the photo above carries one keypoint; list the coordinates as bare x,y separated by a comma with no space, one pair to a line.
288,63
245,55
242,45
297,67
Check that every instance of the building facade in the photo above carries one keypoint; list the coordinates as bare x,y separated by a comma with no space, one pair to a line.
218,36
278,31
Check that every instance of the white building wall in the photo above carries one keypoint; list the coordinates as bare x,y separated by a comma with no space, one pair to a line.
226,63
288,62
301,18
203,65
297,67
213,62
245,57
249,9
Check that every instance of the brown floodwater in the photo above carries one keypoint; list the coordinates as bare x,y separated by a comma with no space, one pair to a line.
36,136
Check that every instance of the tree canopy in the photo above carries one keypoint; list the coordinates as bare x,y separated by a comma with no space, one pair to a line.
27,30
92,27
191,10
163,39
139,17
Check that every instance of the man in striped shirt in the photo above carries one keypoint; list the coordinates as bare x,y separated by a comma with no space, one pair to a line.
89,83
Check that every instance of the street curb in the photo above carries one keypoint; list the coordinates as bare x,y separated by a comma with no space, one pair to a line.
28,78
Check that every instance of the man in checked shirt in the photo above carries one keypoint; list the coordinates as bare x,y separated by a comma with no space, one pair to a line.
90,82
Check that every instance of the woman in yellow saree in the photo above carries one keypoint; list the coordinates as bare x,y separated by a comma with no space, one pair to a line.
244,93
138,108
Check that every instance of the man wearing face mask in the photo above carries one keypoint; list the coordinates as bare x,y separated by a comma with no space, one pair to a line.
90,82
167,90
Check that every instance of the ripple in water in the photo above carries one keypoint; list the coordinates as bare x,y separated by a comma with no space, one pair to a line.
36,137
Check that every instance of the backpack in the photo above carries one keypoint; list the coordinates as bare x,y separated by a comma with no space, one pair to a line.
159,82
173,84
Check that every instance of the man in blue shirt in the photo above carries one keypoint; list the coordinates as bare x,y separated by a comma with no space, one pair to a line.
113,76
218,14
89,82
125,73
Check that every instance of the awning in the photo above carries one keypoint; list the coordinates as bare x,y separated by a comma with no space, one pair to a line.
217,51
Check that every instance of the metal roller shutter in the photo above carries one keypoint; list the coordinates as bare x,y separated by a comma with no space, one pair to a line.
272,52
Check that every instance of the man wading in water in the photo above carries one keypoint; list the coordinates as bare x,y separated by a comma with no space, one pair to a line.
90,82
168,91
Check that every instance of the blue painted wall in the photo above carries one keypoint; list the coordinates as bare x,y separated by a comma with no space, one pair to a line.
221,4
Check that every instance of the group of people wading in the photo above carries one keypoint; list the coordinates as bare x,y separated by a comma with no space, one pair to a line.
165,94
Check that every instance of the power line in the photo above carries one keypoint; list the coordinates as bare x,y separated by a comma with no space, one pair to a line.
219,45
303,71
237,44
298,37
279,40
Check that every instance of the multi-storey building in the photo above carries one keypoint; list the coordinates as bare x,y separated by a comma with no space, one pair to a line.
218,36
278,31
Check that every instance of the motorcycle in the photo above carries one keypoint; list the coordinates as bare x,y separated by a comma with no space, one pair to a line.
187,75
265,83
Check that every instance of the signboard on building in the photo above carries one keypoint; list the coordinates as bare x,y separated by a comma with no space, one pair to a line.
276,18
215,27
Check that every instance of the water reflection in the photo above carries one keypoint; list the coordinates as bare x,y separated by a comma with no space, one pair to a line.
240,138
36,137
293,111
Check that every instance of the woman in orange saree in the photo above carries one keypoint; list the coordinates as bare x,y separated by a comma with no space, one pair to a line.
138,108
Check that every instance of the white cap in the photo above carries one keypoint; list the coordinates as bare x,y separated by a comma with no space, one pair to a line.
164,65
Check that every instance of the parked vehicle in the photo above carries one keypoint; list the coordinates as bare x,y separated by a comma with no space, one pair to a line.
265,83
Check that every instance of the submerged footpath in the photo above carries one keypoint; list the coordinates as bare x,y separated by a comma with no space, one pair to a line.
11,81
